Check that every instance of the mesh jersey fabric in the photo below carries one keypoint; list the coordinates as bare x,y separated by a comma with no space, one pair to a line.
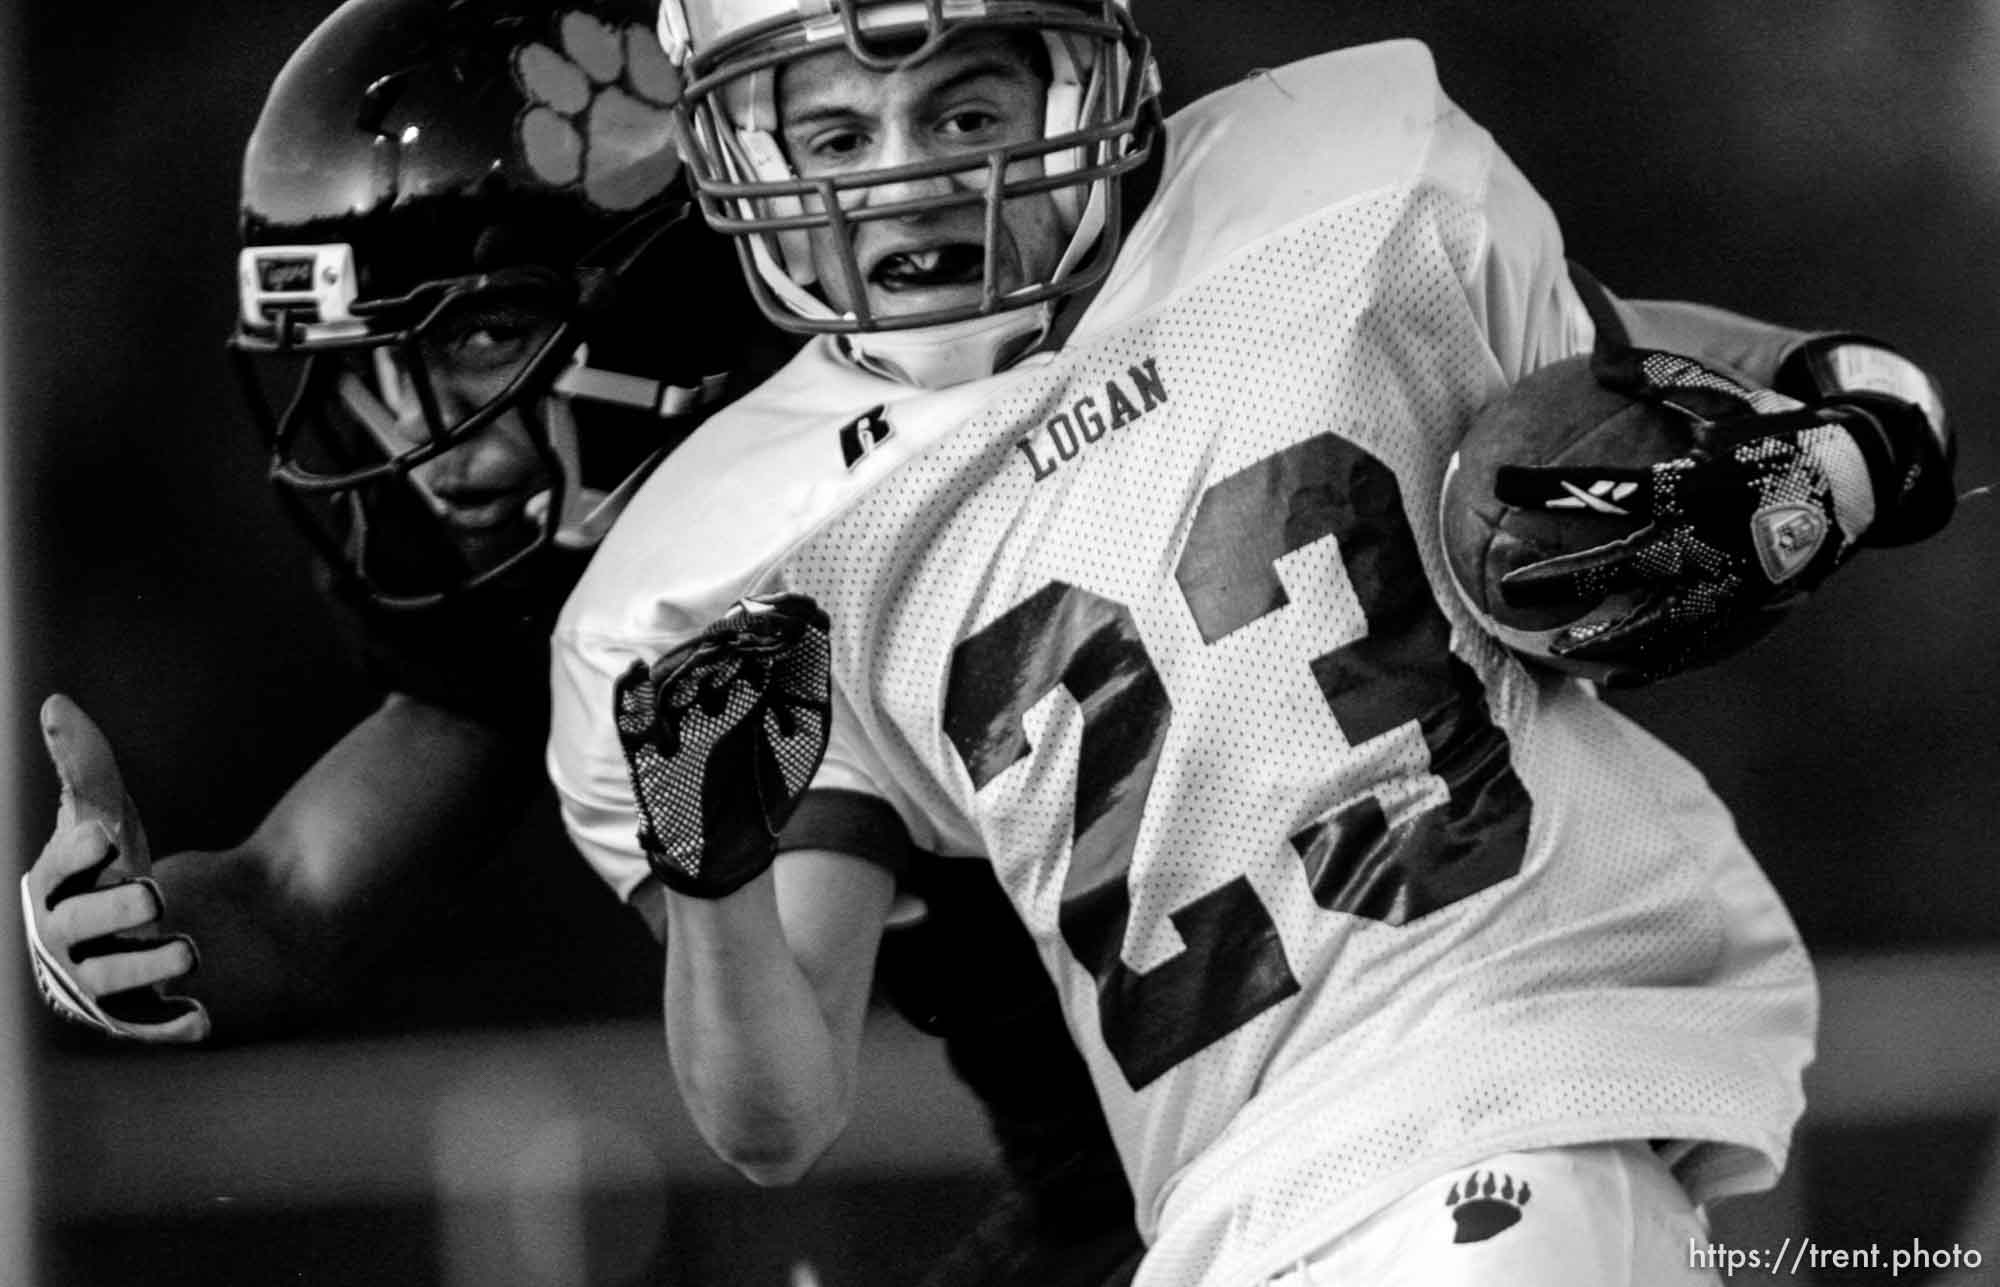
1335,894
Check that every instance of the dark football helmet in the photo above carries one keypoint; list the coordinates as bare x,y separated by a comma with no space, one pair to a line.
474,308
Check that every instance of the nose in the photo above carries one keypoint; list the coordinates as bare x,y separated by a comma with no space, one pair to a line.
400,395
495,455
902,146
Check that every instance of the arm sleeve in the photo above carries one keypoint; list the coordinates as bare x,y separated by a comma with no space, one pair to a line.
856,797
1519,289
592,783
1744,347
849,822
468,656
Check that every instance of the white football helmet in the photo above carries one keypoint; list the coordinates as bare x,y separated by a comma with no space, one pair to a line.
1102,121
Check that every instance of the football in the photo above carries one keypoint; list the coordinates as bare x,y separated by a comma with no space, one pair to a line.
1559,415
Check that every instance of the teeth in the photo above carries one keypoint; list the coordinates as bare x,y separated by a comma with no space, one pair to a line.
931,266
912,263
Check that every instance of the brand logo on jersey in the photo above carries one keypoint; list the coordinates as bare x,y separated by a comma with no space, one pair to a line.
860,436
1485,1207
1063,436
1786,536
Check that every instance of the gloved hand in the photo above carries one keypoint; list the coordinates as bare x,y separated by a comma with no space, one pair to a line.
723,735
1777,492
88,900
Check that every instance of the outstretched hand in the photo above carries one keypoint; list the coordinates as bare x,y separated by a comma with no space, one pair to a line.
90,904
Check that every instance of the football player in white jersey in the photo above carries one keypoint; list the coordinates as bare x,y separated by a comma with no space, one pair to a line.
1113,467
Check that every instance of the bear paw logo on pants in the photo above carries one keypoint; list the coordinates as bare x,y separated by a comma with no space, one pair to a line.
1485,1209
600,111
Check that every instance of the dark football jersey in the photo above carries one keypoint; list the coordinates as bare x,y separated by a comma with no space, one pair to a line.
534,937
483,654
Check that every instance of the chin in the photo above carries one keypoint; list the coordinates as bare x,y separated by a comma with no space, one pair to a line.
479,532
487,548
905,303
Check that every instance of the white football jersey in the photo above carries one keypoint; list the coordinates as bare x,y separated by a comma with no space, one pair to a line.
1336,894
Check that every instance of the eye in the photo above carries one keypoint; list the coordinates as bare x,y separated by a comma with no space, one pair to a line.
969,121
489,346
836,145
488,341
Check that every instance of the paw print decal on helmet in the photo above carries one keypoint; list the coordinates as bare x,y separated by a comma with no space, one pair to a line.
600,111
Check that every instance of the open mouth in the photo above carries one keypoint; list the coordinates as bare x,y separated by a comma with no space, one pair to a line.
928,268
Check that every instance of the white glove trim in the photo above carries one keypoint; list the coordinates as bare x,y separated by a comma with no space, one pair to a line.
70,1001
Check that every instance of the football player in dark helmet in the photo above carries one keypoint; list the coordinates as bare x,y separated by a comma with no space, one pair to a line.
459,223
474,310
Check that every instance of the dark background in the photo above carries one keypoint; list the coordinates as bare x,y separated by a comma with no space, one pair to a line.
1821,162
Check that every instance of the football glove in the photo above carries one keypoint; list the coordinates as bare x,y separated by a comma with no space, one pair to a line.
88,901
722,736
1776,493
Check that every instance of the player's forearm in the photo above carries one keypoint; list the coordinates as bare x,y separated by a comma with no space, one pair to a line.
405,805
263,963
763,1072
1744,346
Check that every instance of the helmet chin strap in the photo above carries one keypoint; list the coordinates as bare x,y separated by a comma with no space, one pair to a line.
937,357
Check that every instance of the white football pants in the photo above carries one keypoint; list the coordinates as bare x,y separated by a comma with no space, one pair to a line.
1604,1215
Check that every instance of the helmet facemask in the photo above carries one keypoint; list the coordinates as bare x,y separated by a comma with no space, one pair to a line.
1099,123
364,403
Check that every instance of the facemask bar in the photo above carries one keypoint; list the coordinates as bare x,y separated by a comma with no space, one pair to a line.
404,348
991,194
343,510
857,41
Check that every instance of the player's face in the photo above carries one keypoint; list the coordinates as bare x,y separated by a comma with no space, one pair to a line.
482,486
978,93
